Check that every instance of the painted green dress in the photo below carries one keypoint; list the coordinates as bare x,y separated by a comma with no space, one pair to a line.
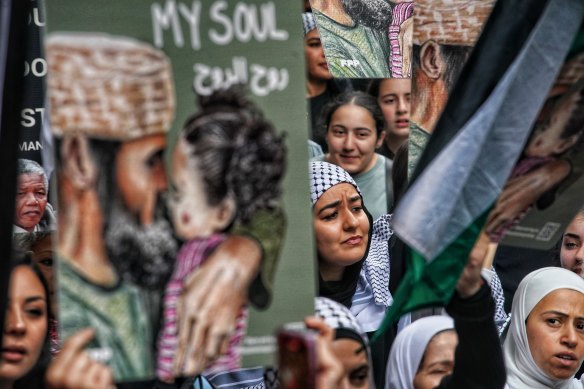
368,47
123,333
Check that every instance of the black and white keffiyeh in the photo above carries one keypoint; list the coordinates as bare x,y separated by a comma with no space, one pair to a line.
337,316
308,22
324,175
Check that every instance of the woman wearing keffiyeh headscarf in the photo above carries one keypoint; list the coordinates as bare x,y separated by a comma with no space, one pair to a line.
353,257
350,344
353,252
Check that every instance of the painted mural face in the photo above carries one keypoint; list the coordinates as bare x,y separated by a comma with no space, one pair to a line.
140,175
547,139
139,215
192,216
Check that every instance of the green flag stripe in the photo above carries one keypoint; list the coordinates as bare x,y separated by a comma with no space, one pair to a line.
427,284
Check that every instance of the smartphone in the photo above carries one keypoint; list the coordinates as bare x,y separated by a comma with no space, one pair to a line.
297,357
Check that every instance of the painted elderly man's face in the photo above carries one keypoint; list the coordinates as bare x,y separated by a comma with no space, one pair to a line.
31,200
140,175
138,234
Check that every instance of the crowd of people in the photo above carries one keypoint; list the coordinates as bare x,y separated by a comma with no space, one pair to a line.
359,132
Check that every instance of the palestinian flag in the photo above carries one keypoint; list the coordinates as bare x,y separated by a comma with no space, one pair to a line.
476,144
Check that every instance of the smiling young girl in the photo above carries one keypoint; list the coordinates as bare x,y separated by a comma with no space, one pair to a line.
354,129
227,165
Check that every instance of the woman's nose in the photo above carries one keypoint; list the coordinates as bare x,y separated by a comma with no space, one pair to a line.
349,141
350,220
15,322
403,105
569,336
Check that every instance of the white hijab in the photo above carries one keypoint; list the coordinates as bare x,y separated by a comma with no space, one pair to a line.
522,371
408,349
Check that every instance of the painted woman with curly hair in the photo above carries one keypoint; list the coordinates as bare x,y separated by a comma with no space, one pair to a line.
228,164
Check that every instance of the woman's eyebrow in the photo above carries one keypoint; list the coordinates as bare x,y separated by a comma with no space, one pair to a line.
571,235
334,204
388,95
445,362
32,299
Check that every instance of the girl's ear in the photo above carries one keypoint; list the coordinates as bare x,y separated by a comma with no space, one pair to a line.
225,214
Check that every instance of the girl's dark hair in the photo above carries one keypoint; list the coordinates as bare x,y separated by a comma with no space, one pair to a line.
399,173
373,86
35,377
361,99
237,152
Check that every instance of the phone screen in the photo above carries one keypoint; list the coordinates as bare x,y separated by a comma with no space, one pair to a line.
296,359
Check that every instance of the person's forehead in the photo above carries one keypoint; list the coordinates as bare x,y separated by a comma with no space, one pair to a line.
24,276
312,34
565,300
441,347
577,223
31,178
395,85
343,188
352,112
345,349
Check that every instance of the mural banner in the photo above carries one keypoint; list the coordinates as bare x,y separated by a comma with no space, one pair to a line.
195,110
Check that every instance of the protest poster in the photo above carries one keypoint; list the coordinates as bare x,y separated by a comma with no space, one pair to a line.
477,140
123,79
365,38
35,70
544,191
12,13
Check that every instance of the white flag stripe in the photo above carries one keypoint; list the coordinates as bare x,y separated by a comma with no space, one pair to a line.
466,177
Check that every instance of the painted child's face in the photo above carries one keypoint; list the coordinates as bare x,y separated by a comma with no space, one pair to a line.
547,138
192,216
